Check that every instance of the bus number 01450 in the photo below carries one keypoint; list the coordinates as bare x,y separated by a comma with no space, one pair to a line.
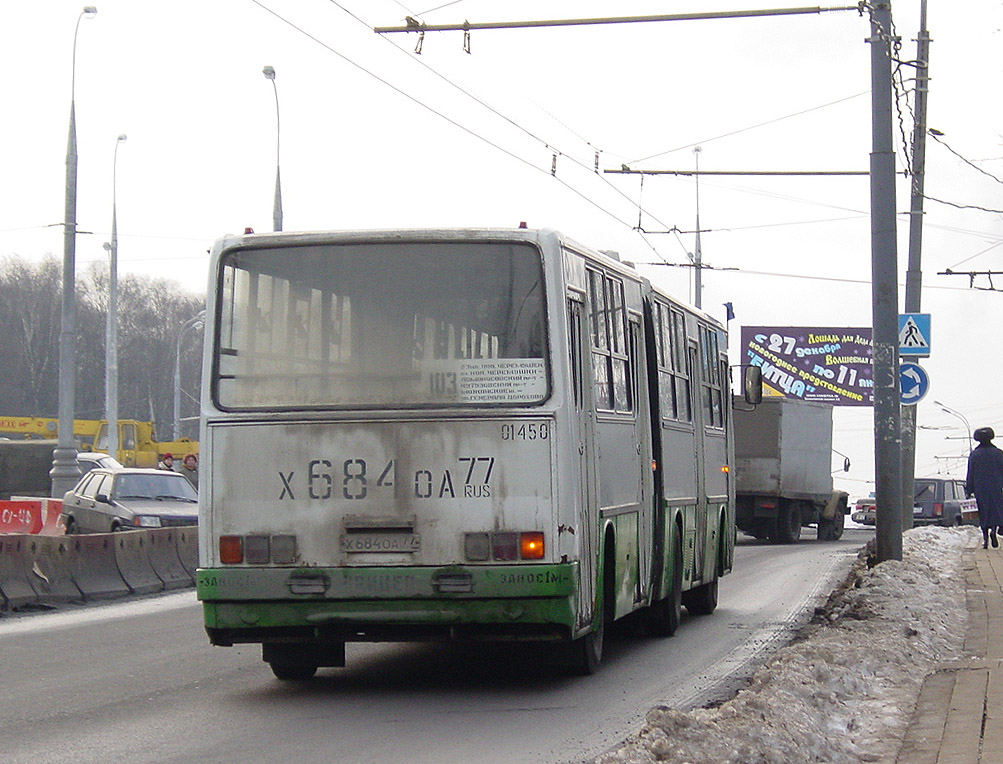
533,431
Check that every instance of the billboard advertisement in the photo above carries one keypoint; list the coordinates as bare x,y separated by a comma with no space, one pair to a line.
829,365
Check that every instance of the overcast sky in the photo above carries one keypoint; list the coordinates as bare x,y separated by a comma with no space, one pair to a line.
374,136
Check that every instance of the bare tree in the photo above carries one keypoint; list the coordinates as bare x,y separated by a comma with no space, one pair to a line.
150,314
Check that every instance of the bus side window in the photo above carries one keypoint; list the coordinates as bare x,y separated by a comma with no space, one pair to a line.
712,393
611,372
574,342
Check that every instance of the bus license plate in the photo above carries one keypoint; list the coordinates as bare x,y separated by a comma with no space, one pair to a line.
361,543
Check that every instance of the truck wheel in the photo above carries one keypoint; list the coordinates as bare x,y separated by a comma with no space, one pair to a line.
832,530
788,528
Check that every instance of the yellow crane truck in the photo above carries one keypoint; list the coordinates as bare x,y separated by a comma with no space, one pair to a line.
137,444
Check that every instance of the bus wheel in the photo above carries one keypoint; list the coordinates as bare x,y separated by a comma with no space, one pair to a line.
292,672
702,600
588,650
661,618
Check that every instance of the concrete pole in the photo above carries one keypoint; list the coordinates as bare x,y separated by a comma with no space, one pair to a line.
111,335
697,249
914,274
884,293
64,472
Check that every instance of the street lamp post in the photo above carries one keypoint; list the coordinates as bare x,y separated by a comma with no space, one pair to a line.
111,336
269,73
194,322
64,472
968,428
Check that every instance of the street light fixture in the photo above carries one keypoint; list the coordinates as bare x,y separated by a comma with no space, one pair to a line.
269,73
197,321
64,472
111,336
968,428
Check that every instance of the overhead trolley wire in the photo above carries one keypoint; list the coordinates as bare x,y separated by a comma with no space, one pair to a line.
549,145
432,110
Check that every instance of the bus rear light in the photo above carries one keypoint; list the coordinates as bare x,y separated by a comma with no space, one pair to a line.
476,547
256,550
531,545
283,549
231,550
505,546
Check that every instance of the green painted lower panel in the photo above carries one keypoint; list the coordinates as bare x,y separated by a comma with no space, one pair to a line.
243,602
236,616
386,582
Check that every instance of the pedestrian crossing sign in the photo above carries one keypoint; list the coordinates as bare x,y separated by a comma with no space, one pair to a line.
914,334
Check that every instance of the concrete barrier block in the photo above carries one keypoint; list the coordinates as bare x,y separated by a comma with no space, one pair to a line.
22,514
188,548
51,570
163,551
133,560
51,524
95,571
15,564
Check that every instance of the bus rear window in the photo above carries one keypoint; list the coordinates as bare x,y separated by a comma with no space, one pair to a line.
381,325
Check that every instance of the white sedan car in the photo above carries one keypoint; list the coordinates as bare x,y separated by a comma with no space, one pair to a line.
123,498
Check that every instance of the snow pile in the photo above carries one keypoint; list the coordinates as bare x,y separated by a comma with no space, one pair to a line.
845,689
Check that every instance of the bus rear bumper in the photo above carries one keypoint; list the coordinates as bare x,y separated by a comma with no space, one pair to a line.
229,623
526,602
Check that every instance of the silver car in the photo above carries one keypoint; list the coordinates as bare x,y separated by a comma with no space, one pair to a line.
91,460
123,498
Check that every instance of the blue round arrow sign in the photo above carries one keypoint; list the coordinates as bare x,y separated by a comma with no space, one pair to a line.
913,381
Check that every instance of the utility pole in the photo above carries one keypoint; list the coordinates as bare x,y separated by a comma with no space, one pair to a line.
914,274
697,250
884,293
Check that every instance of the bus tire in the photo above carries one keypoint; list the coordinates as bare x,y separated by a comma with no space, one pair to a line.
293,672
661,618
588,650
701,600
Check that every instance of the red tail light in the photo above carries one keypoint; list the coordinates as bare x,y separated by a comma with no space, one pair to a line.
938,510
231,550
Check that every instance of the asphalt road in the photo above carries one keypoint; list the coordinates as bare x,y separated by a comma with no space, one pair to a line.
137,682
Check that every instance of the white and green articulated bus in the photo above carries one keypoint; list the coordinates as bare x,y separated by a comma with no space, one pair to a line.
454,435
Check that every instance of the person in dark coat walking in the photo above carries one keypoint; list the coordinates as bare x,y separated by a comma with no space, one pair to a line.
985,482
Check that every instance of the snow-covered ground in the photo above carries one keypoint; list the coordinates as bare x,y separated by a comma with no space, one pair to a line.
845,689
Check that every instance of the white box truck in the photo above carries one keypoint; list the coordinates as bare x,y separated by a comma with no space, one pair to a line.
783,481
